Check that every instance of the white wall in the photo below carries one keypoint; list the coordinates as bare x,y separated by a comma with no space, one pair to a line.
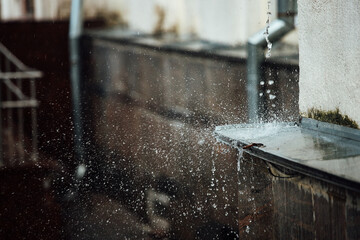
226,21
46,9
329,42
230,21
12,9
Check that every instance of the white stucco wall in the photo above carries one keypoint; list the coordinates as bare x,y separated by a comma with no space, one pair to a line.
230,21
11,9
225,21
46,9
329,45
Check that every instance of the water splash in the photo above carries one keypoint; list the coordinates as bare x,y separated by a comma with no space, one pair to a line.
266,33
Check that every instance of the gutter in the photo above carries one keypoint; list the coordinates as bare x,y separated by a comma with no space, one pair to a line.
287,9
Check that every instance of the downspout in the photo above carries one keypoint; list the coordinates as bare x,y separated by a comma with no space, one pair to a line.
287,9
75,32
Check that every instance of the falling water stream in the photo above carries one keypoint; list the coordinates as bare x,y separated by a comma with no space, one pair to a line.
213,183
240,176
240,156
266,33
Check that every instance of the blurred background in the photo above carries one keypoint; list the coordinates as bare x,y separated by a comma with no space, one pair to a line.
107,129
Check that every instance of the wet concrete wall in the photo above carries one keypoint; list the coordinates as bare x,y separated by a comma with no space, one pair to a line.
152,113
162,133
292,206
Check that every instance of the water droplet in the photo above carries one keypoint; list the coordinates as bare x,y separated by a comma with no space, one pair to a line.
80,171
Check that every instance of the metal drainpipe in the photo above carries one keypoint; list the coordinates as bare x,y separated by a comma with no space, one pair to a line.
287,10
75,32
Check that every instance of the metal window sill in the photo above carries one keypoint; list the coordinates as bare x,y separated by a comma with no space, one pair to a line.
324,151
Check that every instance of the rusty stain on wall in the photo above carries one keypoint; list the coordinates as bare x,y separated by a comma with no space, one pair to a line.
308,185
109,16
160,27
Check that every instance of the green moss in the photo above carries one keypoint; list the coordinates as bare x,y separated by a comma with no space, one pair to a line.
334,117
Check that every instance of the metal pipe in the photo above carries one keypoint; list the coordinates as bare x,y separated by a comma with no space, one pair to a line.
75,31
76,19
287,10
255,48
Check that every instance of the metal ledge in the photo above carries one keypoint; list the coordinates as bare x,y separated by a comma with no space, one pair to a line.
328,152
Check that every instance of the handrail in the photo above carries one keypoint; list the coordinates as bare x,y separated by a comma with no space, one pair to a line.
12,58
13,76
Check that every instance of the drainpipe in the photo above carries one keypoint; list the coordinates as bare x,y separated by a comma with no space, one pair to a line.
75,32
287,9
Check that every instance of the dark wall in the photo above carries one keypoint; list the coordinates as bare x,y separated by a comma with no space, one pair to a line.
43,45
28,207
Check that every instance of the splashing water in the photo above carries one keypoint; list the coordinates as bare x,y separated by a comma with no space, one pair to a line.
266,33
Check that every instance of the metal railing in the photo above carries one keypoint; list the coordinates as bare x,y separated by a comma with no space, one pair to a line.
18,113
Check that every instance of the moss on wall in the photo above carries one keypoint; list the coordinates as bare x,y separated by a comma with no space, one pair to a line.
333,116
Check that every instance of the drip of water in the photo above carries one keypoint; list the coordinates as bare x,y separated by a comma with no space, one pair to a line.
213,169
240,157
240,152
266,33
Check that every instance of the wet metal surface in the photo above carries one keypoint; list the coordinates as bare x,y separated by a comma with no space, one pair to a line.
317,151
